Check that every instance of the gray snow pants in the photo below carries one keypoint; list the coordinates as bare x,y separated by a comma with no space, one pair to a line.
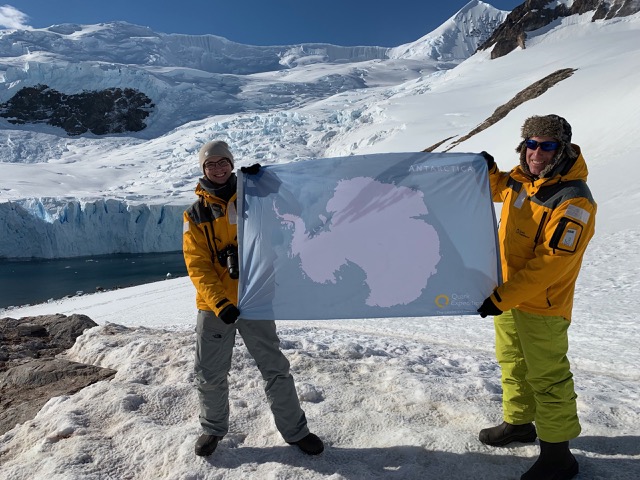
214,349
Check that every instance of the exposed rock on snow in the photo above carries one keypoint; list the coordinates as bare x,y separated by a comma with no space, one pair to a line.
535,14
30,373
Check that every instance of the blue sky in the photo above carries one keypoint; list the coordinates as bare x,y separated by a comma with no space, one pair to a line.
255,22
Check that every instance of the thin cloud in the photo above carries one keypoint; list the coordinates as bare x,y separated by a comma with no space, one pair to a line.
12,18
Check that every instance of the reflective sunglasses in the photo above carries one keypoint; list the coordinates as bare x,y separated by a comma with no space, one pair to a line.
545,146
220,164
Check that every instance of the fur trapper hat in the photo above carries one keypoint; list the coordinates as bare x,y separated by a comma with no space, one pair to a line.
217,148
552,126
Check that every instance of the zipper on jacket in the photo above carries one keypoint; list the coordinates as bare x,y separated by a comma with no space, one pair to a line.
540,227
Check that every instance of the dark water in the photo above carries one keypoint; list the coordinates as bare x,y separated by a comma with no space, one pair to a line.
35,281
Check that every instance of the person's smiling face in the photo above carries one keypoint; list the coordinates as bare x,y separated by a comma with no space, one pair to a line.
218,169
538,159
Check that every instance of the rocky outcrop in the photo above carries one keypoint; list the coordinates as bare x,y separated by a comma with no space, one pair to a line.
532,91
29,372
535,14
114,110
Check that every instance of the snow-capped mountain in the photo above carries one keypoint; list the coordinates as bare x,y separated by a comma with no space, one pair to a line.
59,194
193,77
456,39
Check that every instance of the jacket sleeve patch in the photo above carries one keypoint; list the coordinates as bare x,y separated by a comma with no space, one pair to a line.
185,227
577,213
567,235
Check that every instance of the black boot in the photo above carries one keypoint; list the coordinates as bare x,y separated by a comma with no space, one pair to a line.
311,444
506,433
206,445
556,462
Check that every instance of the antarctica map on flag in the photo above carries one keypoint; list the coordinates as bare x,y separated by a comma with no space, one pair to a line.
369,236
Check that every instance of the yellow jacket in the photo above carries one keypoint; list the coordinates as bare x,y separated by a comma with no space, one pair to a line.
210,225
545,226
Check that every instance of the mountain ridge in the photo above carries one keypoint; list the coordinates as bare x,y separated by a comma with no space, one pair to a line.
534,14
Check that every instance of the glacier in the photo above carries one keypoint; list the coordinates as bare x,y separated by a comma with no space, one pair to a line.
53,228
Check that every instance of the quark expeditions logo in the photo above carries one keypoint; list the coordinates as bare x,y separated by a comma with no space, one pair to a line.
442,301
455,300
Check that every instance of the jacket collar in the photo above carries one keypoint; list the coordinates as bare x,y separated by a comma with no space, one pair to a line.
211,192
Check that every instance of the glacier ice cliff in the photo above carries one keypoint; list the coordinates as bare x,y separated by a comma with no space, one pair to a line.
55,228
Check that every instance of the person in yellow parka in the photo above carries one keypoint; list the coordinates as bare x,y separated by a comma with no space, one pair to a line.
547,220
210,248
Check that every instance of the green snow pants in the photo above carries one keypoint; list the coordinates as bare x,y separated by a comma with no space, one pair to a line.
537,383
214,349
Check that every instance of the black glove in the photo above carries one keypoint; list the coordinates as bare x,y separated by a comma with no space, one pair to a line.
489,159
489,308
251,170
229,314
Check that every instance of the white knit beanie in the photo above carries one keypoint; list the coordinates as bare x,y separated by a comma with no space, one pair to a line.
216,148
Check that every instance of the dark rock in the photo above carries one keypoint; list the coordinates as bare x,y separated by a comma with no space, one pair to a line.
113,110
534,14
532,91
29,372
31,330
25,388
60,333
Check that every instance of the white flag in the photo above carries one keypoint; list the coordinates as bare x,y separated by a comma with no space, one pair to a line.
370,236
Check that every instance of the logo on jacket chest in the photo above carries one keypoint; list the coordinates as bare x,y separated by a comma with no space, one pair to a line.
522,233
